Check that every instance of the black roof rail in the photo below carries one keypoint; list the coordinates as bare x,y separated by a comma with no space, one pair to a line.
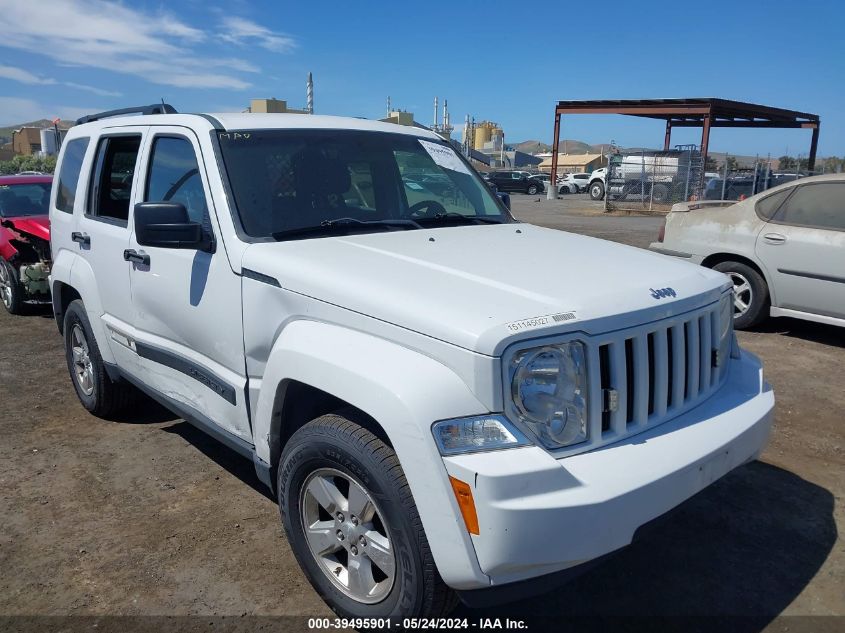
156,108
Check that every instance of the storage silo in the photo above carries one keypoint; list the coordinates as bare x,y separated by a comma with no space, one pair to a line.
48,141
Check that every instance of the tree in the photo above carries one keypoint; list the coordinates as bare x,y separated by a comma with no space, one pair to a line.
46,164
732,163
787,162
711,164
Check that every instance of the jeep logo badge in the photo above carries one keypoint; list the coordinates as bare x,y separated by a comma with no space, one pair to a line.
662,293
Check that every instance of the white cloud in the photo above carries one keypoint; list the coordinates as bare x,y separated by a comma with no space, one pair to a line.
23,76
157,47
92,89
241,31
26,77
14,110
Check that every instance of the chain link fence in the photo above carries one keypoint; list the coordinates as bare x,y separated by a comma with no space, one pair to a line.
734,182
653,180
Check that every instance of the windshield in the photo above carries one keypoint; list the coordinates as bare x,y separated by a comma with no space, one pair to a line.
286,182
32,198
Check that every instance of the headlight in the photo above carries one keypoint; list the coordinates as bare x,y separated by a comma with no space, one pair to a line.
549,391
475,434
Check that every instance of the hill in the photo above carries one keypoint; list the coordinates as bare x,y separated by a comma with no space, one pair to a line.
6,132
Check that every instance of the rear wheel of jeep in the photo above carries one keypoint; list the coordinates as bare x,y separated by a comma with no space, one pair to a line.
96,390
353,525
11,293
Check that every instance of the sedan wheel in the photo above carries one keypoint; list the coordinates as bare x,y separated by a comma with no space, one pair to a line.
743,294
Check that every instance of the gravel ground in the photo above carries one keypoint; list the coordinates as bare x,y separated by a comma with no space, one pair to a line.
146,515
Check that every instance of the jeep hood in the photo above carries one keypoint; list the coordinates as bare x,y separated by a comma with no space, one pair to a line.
482,287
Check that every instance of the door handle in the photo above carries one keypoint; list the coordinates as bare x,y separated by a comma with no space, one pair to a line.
82,238
775,238
131,255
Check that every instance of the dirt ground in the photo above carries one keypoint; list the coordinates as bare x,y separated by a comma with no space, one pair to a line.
147,515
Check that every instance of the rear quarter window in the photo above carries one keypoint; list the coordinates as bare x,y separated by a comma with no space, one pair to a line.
69,174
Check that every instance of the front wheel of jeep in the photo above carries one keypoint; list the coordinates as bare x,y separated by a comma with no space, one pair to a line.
352,523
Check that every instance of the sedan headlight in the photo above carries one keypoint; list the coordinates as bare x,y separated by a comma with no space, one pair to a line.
549,392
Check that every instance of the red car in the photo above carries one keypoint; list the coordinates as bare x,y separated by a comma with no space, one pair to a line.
24,240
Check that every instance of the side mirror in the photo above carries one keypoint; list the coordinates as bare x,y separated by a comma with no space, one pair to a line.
505,198
167,225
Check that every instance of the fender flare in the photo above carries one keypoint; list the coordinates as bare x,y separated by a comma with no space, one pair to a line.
405,392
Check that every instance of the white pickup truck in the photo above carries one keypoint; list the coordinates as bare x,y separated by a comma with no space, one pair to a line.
446,402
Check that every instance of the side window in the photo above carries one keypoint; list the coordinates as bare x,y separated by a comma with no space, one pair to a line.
767,206
112,185
69,174
174,177
820,205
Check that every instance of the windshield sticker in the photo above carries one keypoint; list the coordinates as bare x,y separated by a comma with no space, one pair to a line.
444,156
541,321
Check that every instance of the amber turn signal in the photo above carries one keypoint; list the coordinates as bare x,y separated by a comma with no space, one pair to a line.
463,494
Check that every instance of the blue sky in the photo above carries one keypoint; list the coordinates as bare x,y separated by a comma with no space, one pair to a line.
505,61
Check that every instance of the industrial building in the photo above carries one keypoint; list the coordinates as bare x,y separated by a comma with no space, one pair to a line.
30,140
573,163
278,106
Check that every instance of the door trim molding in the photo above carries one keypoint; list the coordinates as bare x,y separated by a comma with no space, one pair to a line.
189,368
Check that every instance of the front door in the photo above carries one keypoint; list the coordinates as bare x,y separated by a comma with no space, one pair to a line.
803,250
188,327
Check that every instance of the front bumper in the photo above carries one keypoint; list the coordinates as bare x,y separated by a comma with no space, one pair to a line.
538,515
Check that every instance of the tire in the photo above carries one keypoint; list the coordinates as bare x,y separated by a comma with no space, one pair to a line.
564,190
98,393
337,449
751,290
532,190
596,190
11,292
660,193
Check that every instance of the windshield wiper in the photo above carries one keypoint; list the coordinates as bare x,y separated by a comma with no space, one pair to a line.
340,226
452,217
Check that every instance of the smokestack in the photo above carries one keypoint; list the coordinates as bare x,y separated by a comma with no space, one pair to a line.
388,106
309,95
434,126
445,113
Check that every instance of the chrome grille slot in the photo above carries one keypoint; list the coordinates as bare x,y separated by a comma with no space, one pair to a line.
656,371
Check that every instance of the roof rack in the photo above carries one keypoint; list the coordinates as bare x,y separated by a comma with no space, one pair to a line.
156,108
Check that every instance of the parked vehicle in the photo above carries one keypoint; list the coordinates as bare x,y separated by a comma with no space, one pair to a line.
421,395
516,181
566,187
784,249
596,184
581,180
24,240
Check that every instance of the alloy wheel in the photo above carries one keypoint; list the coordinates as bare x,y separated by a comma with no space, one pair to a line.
347,536
82,368
743,294
5,286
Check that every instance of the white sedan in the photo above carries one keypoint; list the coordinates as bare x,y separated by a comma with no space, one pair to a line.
784,249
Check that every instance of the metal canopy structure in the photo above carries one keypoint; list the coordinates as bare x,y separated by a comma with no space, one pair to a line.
705,113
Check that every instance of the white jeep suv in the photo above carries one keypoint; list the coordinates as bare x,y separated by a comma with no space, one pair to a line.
444,401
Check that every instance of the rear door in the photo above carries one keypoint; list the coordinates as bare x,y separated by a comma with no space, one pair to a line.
187,303
803,250
102,234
